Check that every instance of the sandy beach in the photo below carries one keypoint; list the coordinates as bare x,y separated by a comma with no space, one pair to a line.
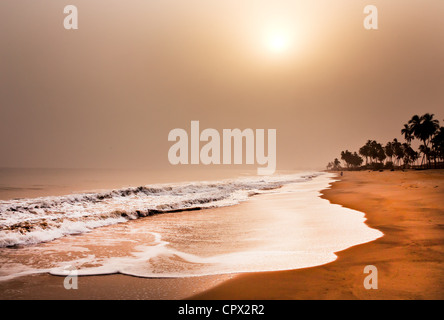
194,150
407,207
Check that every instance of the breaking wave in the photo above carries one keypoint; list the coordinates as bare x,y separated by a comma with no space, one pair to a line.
31,221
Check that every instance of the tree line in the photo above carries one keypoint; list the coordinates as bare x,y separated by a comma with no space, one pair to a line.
396,154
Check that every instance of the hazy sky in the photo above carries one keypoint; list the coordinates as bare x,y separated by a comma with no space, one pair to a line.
107,94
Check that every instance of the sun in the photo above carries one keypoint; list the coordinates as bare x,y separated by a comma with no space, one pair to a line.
278,42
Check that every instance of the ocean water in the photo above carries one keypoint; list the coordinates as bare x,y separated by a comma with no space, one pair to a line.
31,221
247,224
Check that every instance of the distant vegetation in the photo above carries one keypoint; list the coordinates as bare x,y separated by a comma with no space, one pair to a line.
395,154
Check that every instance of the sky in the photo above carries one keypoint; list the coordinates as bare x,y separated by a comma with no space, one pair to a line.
107,95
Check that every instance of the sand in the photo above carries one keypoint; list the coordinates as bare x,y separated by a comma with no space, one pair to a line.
408,207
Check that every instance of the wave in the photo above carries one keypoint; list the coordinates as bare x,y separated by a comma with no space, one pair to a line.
32,221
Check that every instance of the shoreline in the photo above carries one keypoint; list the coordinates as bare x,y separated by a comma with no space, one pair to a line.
407,207
31,221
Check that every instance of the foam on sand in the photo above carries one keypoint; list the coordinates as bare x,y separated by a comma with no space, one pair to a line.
281,229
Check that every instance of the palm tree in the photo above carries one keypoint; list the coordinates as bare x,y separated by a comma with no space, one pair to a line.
438,144
426,151
336,163
365,151
398,151
414,124
429,127
410,155
389,151
423,128
373,150
407,133
381,153
346,156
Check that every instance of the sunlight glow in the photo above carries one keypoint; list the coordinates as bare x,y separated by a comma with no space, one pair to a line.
278,42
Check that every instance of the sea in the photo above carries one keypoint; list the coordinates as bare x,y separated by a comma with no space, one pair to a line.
164,225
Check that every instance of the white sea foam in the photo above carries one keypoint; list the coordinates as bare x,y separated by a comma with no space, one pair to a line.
31,221
282,229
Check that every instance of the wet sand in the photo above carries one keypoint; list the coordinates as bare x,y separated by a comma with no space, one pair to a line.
110,287
408,207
